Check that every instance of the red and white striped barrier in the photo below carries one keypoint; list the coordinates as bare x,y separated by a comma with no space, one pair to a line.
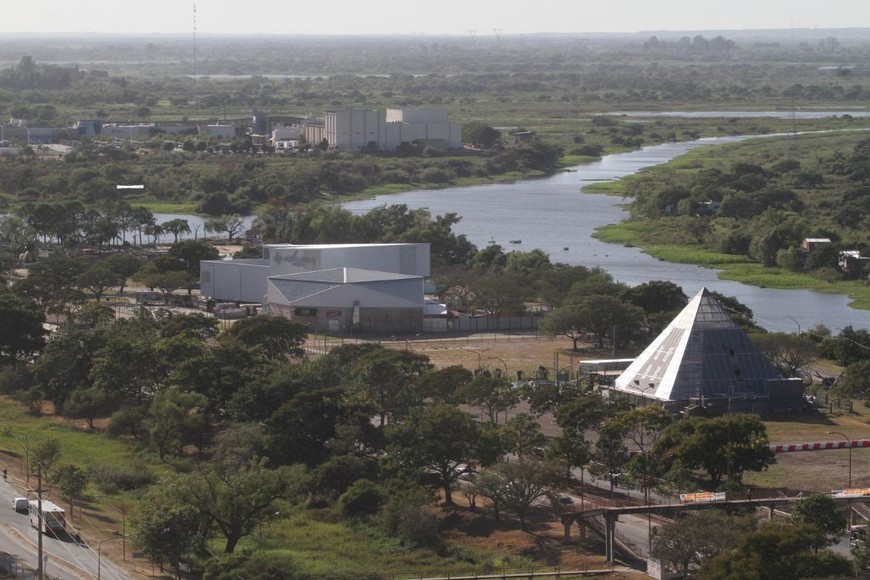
820,446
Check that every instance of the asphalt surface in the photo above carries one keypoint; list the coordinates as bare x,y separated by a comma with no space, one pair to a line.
65,558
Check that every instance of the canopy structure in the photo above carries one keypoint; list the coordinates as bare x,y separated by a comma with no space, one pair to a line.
702,355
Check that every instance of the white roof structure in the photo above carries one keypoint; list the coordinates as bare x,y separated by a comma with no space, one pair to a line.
702,353
343,287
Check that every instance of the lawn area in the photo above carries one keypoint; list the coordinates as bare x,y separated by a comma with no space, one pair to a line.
818,471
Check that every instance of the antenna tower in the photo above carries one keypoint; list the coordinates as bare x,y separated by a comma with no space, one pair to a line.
194,43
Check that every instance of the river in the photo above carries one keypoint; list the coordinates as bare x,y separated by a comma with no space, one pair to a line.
554,215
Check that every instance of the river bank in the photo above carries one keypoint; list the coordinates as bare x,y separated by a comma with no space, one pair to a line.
555,216
656,236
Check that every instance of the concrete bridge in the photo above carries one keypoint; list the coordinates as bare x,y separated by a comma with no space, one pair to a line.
611,514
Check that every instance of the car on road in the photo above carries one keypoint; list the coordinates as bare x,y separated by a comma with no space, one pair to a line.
21,504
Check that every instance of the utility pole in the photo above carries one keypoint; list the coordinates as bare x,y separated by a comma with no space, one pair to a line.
40,572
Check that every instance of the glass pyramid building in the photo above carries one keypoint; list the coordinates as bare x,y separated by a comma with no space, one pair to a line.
702,356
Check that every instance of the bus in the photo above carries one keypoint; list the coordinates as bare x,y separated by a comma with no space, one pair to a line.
52,519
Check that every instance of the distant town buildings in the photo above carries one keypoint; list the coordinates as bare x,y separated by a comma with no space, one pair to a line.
340,128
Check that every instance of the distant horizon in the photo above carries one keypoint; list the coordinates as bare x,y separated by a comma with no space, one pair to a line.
449,18
466,36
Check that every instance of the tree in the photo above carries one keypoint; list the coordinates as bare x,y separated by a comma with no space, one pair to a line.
519,485
275,337
166,527
89,404
236,498
498,294
176,420
789,352
191,253
436,438
444,384
233,225
22,335
610,453
98,278
601,314
728,445
522,436
697,537
492,394
821,512
643,426
565,321
480,134
167,282
176,227
72,481
658,299
383,380
778,552
45,454
570,449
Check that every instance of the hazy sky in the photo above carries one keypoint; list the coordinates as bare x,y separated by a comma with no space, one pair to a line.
430,17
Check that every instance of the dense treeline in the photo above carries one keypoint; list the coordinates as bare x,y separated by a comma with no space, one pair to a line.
766,210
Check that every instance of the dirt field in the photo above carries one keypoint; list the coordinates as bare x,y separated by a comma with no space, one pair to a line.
506,352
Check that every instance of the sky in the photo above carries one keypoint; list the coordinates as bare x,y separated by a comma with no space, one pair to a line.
435,17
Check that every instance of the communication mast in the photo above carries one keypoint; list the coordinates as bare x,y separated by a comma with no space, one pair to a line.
194,43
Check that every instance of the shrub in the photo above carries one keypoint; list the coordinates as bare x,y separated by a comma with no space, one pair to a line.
15,378
362,498
252,566
406,515
111,479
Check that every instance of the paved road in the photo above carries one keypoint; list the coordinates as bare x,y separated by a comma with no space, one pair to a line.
65,558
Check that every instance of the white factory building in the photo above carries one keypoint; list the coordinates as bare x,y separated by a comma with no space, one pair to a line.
335,287
356,128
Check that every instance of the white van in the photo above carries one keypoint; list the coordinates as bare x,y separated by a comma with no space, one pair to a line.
20,504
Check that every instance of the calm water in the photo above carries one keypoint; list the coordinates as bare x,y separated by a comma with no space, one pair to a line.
554,215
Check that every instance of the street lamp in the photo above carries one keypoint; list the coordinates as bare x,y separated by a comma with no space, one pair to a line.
504,364
479,358
117,536
849,445
796,322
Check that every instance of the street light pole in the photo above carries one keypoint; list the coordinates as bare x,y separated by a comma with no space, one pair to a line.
849,445
100,554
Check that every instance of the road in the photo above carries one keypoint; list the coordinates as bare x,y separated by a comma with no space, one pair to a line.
65,558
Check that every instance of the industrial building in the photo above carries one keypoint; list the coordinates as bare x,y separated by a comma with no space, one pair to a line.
348,300
337,287
358,128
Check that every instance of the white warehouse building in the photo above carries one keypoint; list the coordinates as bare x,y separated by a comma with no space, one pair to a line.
245,280
356,128
348,300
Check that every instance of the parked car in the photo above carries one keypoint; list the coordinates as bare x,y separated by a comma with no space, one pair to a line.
20,504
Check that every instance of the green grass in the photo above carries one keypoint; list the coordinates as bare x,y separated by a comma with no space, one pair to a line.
160,206
322,545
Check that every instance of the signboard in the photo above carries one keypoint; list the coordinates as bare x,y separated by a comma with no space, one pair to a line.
701,496
852,492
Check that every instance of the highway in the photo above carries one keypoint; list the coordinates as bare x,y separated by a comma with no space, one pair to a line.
65,558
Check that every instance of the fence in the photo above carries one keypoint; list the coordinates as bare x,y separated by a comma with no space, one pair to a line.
481,323
10,565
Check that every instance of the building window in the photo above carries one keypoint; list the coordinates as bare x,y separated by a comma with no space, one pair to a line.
304,312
